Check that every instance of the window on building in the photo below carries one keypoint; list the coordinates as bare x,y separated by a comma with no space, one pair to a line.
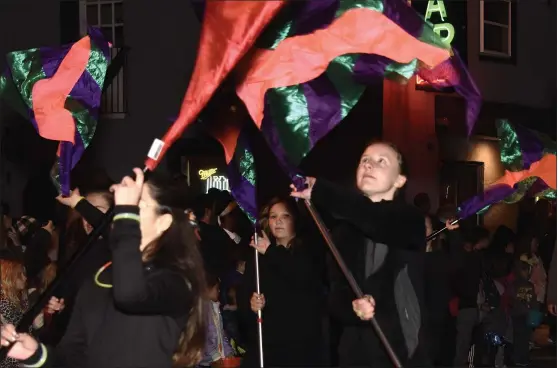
108,16
496,28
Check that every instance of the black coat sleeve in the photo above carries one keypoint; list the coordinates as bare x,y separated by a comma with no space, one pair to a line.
72,348
91,214
162,291
392,223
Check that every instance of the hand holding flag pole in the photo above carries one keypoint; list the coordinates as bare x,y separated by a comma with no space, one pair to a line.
351,279
300,185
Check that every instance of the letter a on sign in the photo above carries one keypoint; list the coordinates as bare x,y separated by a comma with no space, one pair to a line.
435,6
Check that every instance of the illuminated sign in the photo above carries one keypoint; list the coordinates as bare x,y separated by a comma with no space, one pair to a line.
444,29
213,181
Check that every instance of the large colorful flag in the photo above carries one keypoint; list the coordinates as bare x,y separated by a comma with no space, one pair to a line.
314,60
229,30
530,161
232,132
59,89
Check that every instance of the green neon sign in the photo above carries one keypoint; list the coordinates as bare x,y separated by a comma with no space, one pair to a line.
445,30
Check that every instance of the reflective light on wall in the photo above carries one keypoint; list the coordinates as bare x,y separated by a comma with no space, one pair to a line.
487,151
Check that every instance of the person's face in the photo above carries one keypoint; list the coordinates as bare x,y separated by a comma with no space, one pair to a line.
281,222
100,202
213,293
20,283
152,224
510,248
378,174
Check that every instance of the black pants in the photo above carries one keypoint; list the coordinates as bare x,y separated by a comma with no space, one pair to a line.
521,338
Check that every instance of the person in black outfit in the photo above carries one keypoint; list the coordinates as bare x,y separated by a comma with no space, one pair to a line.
215,244
382,240
290,298
92,208
144,309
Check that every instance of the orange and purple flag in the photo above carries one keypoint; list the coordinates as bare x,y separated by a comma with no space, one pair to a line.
59,89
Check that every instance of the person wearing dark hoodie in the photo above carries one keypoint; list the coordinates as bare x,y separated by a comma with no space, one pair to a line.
290,299
382,240
145,309
215,243
92,208
467,280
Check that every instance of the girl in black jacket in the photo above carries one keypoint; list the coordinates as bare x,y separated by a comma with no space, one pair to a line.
144,308
382,240
291,295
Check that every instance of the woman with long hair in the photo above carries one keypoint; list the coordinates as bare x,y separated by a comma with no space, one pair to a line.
290,298
13,298
382,240
143,309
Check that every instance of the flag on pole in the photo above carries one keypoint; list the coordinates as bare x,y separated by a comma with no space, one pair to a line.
59,89
530,161
232,132
314,60
229,30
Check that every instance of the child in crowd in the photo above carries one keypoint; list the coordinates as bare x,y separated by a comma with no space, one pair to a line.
217,346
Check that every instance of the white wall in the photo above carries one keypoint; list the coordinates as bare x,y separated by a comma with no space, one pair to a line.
532,80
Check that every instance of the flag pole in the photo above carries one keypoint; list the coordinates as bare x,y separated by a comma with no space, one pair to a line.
260,332
438,232
351,279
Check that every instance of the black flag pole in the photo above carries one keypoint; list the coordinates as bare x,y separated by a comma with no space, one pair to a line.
351,279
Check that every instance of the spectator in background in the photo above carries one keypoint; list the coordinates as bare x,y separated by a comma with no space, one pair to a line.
467,281
523,300
215,243
422,202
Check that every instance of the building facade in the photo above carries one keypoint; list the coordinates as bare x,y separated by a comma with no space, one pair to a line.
507,45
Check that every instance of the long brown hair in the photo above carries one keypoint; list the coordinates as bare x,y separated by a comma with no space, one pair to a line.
12,272
290,205
177,248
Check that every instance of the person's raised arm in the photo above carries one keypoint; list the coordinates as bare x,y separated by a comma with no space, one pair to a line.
90,213
391,222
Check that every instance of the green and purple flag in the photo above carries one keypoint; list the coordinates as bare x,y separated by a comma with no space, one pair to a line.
233,134
59,89
312,63
529,158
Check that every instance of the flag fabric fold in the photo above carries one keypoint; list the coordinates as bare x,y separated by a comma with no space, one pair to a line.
229,30
233,135
530,161
316,57
59,89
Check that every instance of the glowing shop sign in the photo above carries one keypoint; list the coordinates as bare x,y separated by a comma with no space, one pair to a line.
213,181
445,30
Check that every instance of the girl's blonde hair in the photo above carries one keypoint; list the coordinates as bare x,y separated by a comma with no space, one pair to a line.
12,272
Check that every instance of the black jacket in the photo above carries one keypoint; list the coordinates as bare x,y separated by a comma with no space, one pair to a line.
96,256
383,244
291,283
135,323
